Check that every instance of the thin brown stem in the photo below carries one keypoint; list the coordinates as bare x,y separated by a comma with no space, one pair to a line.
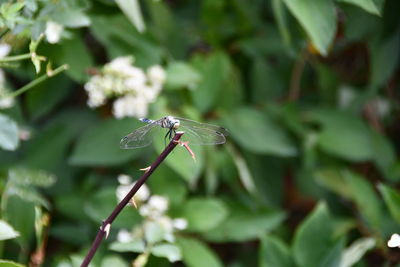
297,72
105,227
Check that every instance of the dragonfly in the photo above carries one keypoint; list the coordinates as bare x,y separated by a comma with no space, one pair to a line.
195,133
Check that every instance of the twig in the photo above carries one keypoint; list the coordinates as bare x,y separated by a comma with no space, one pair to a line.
104,229
37,81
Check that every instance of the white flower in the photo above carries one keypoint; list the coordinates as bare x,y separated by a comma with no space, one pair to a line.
180,223
158,203
24,134
124,179
124,236
141,195
96,98
53,31
130,106
156,74
394,241
4,49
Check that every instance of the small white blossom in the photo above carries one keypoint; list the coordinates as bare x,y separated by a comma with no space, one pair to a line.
4,49
180,223
159,203
156,74
126,185
53,32
124,179
124,236
130,106
24,134
96,98
394,241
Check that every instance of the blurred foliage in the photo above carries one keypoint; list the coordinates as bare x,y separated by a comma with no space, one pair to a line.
309,90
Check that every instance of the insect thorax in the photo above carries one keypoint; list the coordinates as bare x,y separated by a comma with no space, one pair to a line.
170,122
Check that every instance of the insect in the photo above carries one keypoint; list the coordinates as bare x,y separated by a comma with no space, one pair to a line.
196,133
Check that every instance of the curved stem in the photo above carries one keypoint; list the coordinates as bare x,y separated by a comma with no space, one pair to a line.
16,58
37,81
105,226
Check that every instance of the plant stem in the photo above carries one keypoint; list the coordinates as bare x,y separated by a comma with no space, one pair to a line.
107,223
37,81
16,58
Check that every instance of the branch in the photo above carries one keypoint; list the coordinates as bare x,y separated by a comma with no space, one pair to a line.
105,227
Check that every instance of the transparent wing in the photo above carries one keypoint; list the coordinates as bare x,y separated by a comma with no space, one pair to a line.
140,137
200,125
197,133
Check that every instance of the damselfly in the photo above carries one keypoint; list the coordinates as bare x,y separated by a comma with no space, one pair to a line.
195,133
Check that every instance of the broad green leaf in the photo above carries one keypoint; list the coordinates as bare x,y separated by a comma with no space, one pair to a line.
137,246
6,263
334,180
114,261
258,133
356,250
313,241
153,232
385,155
392,200
9,139
6,231
181,161
169,251
318,18
368,203
385,57
204,214
71,18
99,145
274,253
214,70
197,254
371,6
182,75
242,225
16,208
101,203
74,53
343,135
131,9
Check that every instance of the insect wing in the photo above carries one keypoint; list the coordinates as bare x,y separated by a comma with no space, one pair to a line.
197,133
141,137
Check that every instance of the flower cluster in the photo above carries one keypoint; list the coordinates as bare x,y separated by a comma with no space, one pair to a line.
134,88
157,227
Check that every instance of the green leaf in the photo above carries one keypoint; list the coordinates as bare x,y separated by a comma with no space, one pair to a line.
6,263
214,70
392,200
154,232
371,6
314,239
101,203
385,57
181,75
74,53
333,179
131,9
385,155
6,231
114,261
181,161
137,246
318,18
258,133
367,201
354,253
344,135
274,253
204,214
99,145
243,225
169,251
9,139
71,18
197,254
